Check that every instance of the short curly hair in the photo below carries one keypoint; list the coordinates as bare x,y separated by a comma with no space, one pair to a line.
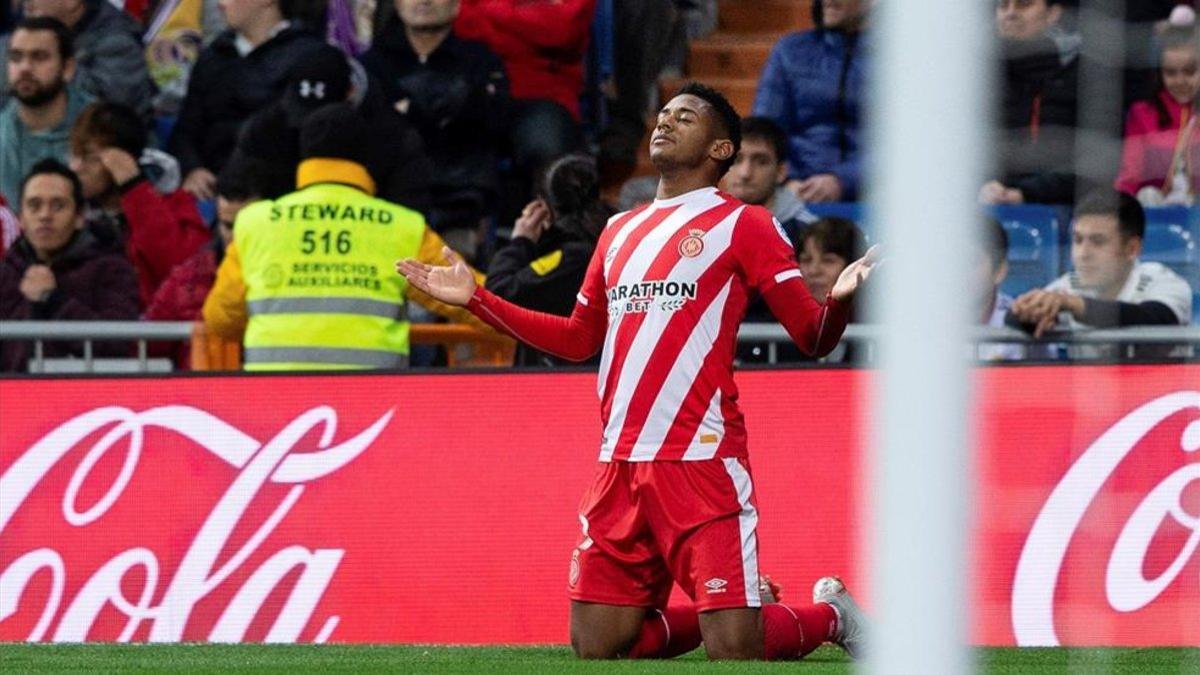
729,123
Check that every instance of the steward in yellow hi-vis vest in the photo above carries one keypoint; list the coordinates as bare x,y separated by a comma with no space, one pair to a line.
309,277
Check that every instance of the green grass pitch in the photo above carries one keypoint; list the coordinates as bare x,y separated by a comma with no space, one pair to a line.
105,658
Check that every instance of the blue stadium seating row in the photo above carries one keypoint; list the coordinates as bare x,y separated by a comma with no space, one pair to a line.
1039,245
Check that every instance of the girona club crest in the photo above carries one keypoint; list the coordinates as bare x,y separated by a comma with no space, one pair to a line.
692,245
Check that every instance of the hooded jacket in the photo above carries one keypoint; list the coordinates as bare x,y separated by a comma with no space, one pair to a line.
813,87
93,284
226,88
110,59
1148,155
21,148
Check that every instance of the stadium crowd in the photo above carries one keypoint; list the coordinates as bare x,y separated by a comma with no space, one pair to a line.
172,188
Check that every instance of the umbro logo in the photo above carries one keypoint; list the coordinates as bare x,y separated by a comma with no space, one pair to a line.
715,585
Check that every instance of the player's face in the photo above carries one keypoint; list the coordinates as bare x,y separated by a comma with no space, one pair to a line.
49,215
820,268
756,172
1102,257
1025,19
685,135
1181,74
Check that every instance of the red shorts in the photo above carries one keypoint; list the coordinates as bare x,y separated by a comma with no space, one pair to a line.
646,524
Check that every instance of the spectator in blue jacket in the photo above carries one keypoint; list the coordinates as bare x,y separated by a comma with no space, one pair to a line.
813,86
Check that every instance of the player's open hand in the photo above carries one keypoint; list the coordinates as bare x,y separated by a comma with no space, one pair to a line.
855,275
452,284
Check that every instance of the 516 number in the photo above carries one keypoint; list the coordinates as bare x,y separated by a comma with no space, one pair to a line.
326,242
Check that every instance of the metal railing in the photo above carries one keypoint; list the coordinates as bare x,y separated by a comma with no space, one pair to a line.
772,334
141,332
482,348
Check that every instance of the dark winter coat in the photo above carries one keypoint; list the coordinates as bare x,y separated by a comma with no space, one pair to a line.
1039,115
226,88
544,278
93,284
458,101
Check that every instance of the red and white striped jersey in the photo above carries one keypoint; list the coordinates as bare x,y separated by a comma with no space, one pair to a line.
666,290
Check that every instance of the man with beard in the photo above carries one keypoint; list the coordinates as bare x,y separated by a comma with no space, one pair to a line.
110,60
35,123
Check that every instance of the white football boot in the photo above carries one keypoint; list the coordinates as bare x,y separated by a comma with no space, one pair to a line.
851,622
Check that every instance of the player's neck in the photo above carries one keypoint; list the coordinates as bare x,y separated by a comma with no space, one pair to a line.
672,185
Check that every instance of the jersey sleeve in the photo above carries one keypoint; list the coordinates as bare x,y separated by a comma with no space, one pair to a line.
767,260
574,338
763,250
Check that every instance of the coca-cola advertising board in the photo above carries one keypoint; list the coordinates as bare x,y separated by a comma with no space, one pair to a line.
441,508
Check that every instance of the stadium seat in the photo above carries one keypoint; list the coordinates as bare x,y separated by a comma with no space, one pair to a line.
849,210
1172,234
1035,257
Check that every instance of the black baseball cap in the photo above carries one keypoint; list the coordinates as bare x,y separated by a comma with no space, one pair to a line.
321,78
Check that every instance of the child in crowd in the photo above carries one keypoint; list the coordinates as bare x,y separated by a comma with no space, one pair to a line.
1159,164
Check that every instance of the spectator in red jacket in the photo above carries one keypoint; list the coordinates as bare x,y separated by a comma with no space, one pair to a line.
157,228
543,44
1159,161
56,271
181,295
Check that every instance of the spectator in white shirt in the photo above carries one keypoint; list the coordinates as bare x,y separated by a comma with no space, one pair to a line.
1109,287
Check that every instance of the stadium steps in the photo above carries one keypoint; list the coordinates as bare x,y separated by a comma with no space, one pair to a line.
732,57
764,16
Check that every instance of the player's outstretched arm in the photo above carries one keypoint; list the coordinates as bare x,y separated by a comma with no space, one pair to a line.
575,338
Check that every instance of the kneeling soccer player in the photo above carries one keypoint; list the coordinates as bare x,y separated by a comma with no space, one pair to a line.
673,499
